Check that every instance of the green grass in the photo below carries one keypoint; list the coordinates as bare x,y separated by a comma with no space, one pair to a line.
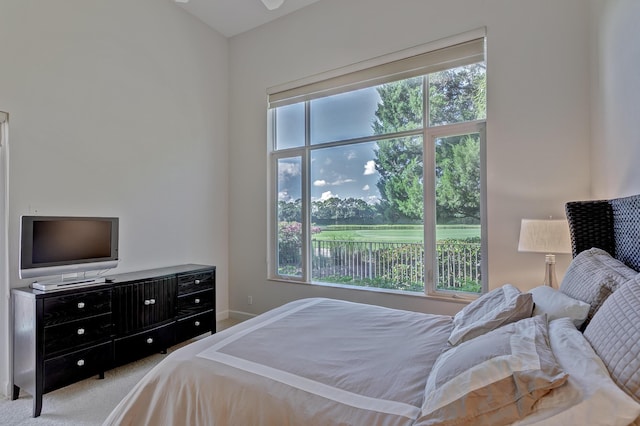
399,234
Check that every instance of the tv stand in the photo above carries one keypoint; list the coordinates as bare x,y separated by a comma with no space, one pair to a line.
73,333
65,283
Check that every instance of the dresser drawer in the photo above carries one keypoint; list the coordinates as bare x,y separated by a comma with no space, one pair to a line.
145,343
71,307
189,283
195,325
195,303
77,333
69,368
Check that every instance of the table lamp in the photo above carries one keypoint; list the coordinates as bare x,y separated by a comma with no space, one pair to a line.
550,236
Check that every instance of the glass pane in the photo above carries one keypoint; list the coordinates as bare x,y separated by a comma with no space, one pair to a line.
380,110
290,216
290,126
367,214
458,213
457,95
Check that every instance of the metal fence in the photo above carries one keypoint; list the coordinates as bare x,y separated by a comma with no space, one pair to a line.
393,265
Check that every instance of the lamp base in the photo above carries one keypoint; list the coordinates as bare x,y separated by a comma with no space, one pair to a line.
550,277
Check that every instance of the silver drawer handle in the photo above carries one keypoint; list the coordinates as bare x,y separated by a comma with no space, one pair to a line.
197,281
81,331
149,340
150,302
196,301
80,305
80,362
197,323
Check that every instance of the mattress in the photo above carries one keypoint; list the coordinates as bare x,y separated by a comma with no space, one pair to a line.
307,362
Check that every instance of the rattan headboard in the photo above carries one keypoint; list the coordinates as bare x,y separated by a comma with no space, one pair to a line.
611,225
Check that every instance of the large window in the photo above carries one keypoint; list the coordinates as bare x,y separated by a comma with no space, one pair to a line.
377,175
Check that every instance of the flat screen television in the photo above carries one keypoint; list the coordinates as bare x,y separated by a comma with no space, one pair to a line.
52,245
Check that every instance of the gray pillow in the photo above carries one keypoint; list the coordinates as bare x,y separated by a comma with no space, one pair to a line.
496,378
614,334
500,306
592,276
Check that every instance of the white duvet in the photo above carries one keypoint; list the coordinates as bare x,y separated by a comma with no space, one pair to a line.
329,362
310,362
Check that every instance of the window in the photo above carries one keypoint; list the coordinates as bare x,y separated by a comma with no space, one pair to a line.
377,175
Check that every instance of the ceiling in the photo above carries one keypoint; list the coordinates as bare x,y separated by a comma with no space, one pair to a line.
231,17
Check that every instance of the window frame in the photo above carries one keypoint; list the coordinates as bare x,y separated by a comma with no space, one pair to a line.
429,135
430,255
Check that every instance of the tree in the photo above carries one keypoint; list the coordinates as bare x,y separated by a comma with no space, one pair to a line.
458,95
455,95
399,160
290,211
458,188
342,211
403,191
400,106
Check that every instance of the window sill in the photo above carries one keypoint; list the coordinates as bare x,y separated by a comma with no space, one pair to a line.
449,298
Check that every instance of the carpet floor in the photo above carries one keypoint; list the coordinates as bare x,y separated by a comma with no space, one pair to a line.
87,402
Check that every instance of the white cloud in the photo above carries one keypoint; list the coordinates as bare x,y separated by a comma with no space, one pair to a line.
351,155
365,188
283,196
326,195
370,167
341,181
288,169
322,182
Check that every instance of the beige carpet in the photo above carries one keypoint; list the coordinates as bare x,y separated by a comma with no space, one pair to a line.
88,402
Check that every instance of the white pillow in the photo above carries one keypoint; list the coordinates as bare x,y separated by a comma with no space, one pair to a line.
493,379
500,306
556,305
589,397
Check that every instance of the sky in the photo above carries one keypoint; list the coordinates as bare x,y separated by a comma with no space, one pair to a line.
340,171
344,171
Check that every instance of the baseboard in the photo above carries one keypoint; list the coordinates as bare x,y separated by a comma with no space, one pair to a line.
8,389
221,316
239,315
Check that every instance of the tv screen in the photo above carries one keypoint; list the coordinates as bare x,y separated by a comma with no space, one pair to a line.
56,245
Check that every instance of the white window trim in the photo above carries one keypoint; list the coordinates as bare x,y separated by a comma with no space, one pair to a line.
5,284
313,87
430,255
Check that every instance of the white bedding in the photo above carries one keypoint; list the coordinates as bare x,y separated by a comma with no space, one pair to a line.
265,372
329,362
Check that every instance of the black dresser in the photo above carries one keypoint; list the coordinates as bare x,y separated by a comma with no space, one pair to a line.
61,337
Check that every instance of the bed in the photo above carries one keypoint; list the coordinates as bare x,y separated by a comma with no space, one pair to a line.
544,357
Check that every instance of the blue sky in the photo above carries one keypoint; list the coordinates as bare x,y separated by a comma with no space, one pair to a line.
345,171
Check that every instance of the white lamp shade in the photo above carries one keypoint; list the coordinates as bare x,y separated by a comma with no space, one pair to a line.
544,236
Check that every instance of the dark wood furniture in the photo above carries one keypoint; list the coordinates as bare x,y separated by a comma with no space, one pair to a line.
61,337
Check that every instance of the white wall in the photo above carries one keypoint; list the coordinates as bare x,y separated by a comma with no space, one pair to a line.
616,128
118,108
538,128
